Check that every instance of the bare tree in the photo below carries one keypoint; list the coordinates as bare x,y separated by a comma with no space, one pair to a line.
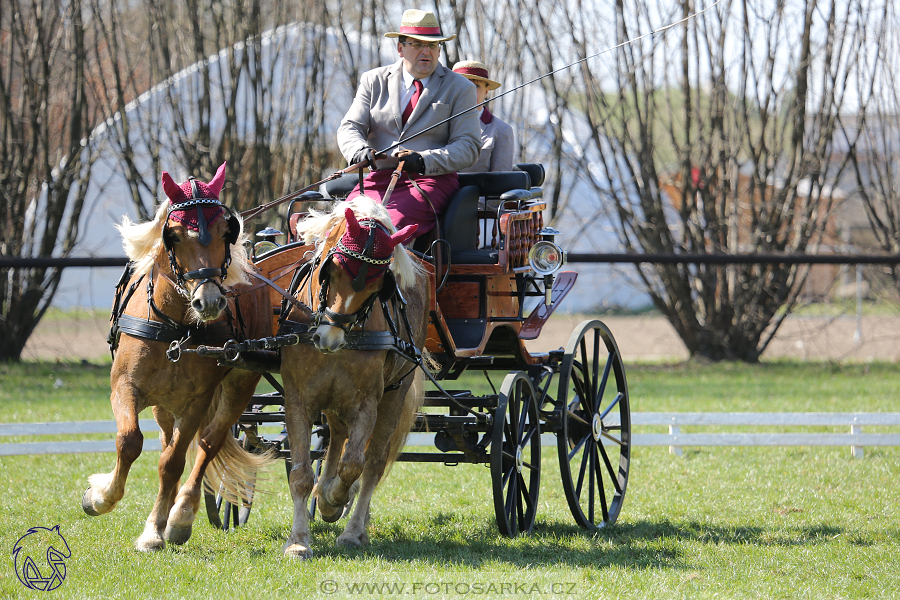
718,137
876,164
45,164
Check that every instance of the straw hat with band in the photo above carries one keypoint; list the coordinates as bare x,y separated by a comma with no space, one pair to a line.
420,25
475,71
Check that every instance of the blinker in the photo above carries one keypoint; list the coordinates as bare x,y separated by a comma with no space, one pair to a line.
360,281
205,236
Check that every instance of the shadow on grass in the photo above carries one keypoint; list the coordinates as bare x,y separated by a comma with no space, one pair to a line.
447,539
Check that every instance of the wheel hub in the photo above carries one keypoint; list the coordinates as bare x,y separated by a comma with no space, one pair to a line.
519,460
596,427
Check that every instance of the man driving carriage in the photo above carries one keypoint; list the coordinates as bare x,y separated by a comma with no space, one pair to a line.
395,102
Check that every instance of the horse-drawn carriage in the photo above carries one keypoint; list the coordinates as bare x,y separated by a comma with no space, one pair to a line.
495,271
467,299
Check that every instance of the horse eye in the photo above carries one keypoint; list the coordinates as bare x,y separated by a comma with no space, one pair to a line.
170,238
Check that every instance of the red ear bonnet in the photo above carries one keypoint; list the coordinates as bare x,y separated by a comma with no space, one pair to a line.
184,193
370,240
352,223
405,234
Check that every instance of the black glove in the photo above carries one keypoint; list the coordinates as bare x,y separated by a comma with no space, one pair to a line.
412,162
364,154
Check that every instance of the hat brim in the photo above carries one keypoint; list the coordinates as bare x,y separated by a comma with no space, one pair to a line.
423,38
491,84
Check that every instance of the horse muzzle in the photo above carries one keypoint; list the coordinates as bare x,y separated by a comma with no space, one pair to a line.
328,339
208,301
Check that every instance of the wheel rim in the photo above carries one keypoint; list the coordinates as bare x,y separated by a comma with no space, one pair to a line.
516,455
594,439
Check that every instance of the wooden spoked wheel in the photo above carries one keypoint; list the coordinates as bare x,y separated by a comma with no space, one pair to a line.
516,455
594,439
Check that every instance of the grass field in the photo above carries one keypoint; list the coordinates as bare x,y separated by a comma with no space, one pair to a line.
714,523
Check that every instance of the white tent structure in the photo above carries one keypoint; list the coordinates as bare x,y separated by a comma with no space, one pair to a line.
280,55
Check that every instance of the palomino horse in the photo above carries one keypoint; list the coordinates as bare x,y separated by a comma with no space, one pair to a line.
191,261
369,396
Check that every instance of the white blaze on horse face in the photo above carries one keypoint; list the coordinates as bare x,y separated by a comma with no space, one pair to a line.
207,302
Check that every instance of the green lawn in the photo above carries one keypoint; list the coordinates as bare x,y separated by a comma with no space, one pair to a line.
714,523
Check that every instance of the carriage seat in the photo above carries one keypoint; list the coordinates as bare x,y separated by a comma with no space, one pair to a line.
460,221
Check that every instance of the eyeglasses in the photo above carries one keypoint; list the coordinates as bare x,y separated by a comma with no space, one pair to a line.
419,45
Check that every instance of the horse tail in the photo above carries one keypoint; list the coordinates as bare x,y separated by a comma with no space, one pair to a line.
237,468
415,396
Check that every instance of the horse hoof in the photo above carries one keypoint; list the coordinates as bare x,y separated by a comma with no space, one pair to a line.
350,541
297,551
87,505
152,545
178,535
330,514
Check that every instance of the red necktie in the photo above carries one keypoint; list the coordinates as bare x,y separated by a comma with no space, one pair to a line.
413,100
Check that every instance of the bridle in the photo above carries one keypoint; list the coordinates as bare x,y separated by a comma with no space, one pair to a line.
346,321
207,274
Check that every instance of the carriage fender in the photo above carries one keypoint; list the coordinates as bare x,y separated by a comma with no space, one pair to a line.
532,326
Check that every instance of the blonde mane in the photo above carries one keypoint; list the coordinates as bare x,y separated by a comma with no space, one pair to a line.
143,243
314,230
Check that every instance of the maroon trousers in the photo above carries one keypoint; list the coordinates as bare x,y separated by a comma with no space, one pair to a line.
406,204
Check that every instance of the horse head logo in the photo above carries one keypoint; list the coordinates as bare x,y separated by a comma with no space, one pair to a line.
39,557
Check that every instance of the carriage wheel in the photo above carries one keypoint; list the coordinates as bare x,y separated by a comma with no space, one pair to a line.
223,514
516,455
594,439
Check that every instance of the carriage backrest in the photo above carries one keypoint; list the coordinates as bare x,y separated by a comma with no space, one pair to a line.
340,187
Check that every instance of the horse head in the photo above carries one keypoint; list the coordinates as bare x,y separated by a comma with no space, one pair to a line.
356,261
198,237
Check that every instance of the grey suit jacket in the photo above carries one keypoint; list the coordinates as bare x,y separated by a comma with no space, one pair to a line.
375,119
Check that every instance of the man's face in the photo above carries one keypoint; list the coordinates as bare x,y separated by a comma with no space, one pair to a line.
420,58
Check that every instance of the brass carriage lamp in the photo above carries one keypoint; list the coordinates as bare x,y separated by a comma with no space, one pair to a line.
268,243
546,258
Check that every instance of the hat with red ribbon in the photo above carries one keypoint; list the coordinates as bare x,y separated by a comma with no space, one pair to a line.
420,25
195,204
475,71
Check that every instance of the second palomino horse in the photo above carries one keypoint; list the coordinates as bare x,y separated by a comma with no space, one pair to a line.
370,394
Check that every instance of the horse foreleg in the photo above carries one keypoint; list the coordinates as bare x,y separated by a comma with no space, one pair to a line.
337,436
236,391
376,462
171,466
335,491
106,489
354,533
301,478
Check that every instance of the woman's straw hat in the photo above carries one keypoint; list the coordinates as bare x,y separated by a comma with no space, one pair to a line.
476,71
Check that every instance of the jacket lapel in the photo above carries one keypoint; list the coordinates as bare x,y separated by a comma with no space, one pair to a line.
395,87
